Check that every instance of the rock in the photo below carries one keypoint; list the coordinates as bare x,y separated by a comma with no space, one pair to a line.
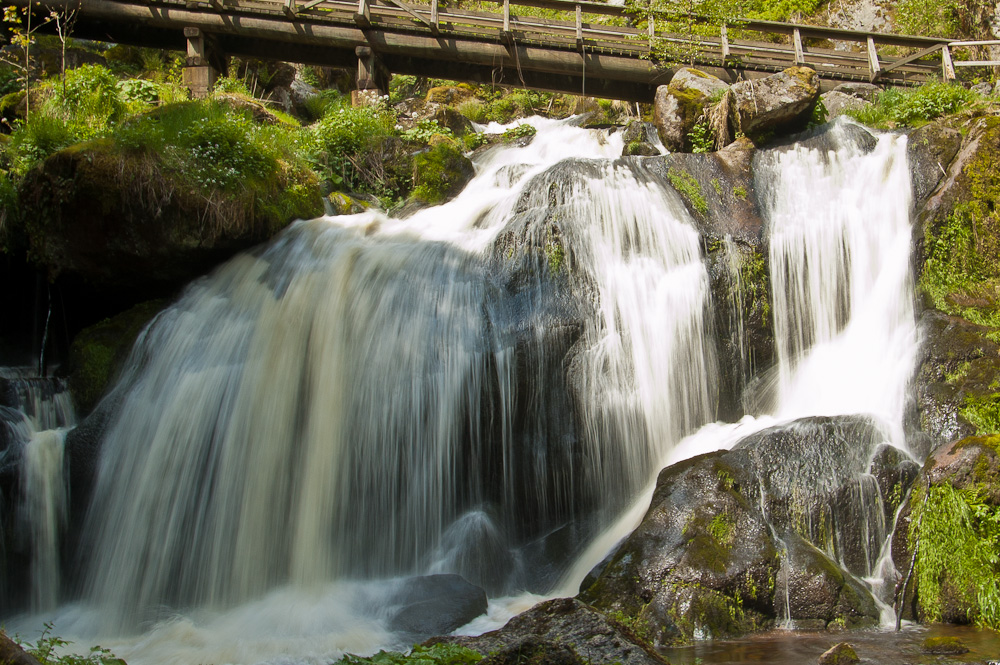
449,94
129,228
839,654
679,105
775,101
440,172
705,561
534,651
985,88
955,496
97,353
568,622
865,91
930,149
948,646
257,110
449,118
435,604
11,652
839,103
637,139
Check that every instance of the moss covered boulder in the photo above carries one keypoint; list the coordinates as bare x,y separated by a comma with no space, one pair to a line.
129,224
440,172
677,107
97,353
947,536
775,101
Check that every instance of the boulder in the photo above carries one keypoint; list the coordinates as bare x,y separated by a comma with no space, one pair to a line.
638,140
706,561
775,101
449,94
839,654
678,106
567,622
985,88
12,653
930,149
535,651
943,530
435,604
839,103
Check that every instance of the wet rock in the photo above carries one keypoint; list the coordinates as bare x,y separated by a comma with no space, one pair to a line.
839,103
12,653
948,646
824,595
435,604
679,105
636,137
839,654
930,149
535,651
775,101
568,622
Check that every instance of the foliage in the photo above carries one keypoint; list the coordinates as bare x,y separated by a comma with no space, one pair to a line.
438,654
136,92
339,141
231,84
424,130
49,650
957,537
927,17
89,101
524,130
701,138
688,187
912,107
983,413
31,143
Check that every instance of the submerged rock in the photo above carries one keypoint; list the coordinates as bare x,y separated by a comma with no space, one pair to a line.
839,654
571,624
435,604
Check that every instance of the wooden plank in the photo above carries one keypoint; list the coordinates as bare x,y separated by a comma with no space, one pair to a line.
800,58
947,68
310,5
991,42
873,65
975,63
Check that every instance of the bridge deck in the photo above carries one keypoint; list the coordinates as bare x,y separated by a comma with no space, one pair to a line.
578,54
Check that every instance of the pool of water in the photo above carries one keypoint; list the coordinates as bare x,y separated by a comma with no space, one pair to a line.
784,647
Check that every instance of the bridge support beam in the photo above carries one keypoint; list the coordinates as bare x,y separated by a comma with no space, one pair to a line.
203,65
373,77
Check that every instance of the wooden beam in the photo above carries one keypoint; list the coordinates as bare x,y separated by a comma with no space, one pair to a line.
506,16
290,8
579,27
800,58
910,58
724,36
313,3
873,65
975,63
947,68
411,11
435,24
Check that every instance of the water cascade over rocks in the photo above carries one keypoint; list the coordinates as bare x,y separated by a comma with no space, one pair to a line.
368,406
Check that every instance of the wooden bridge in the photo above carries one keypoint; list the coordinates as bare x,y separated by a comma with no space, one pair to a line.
583,53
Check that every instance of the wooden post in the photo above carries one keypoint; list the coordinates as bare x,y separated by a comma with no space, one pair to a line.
651,25
198,75
371,83
506,17
579,26
800,58
290,8
947,66
364,15
724,33
873,66
435,25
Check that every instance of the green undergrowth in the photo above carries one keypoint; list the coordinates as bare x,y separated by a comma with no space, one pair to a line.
912,107
438,654
956,533
51,650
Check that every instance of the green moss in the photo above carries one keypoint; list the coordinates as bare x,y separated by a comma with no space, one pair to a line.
98,352
944,645
438,654
956,535
440,173
687,186
982,412
960,372
740,192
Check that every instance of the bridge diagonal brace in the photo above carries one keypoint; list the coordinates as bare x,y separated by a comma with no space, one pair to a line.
413,12
910,58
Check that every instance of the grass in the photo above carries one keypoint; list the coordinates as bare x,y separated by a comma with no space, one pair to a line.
912,107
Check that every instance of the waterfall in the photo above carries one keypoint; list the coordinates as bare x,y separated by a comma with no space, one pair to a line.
45,508
473,389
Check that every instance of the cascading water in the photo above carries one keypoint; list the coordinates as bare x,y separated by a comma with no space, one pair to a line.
479,388
369,397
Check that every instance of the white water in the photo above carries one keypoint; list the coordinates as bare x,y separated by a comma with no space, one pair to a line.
305,416
45,507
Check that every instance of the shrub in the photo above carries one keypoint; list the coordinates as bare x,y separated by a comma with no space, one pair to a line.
232,85
425,130
139,91
912,107
88,100
340,140
33,142
50,650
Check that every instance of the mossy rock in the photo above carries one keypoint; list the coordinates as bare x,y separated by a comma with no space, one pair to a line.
97,353
944,646
449,94
440,173
775,102
839,654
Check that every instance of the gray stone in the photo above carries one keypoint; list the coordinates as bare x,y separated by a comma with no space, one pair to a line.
838,103
985,88
678,106
776,100
866,91
435,604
